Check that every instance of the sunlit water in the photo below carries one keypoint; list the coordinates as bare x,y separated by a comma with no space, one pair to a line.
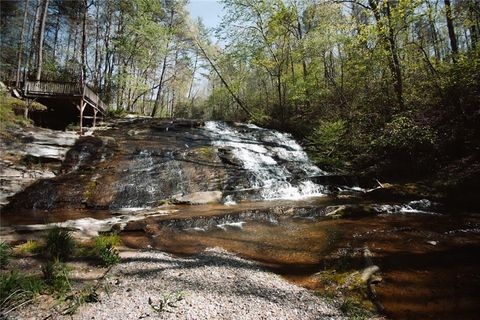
275,163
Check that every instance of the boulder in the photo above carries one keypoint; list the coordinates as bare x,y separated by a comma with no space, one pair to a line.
198,198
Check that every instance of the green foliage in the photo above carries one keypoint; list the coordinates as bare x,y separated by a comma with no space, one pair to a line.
327,143
7,113
116,113
404,135
20,105
109,256
5,254
88,294
260,117
355,310
55,274
29,247
59,244
105,249
16,287
167,301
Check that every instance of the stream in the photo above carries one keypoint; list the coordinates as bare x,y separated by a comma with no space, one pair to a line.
183,186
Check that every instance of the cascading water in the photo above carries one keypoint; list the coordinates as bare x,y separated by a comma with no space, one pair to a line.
146,163
275,163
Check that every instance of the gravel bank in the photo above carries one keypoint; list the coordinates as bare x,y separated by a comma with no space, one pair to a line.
213,285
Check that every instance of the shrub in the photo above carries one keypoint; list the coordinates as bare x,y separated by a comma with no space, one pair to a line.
327,142
10,107
116,113
5,254
403,134
260,117
59,244
105,249
55,274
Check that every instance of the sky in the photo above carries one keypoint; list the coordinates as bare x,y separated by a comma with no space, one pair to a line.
209,10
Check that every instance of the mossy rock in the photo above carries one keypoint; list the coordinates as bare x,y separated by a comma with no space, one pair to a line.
206,152
408,191
351,211
349,289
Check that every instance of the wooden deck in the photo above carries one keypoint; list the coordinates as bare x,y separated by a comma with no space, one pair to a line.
73,97
69,90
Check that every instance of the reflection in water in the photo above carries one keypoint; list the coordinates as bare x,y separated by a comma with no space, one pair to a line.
429,270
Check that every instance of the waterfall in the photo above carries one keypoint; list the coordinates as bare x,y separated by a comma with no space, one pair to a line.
275,163
141,164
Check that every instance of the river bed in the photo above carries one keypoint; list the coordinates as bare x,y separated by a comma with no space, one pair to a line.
271,205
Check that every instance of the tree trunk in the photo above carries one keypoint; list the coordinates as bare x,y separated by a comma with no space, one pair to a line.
55,40
164,66
237,100
397,70
388,40
40,39
434,33
190,89
33,47
84,43
96,68
20,45
160,86
474,21
451,28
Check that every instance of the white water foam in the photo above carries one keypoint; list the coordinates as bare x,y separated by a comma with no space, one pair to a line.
417,206
231,225
228,201
272,159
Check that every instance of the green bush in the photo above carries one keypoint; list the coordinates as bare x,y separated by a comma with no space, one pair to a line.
105,249
403,134
60,244
116,113
55,274
260,117
16,287
5,254
327,143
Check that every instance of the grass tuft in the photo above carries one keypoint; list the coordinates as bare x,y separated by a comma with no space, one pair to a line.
29,247
5,254
105,249
55,274
60,244
355,310
16,287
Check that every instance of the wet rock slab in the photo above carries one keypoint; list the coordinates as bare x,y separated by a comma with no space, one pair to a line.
30,154
146,162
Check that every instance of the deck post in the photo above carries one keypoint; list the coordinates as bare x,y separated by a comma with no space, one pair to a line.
27,107
94,117
82,107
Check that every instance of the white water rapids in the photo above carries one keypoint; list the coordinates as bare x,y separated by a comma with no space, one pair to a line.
275,163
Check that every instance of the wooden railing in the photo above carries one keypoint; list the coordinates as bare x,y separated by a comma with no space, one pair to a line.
62,89
89,94
50,88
